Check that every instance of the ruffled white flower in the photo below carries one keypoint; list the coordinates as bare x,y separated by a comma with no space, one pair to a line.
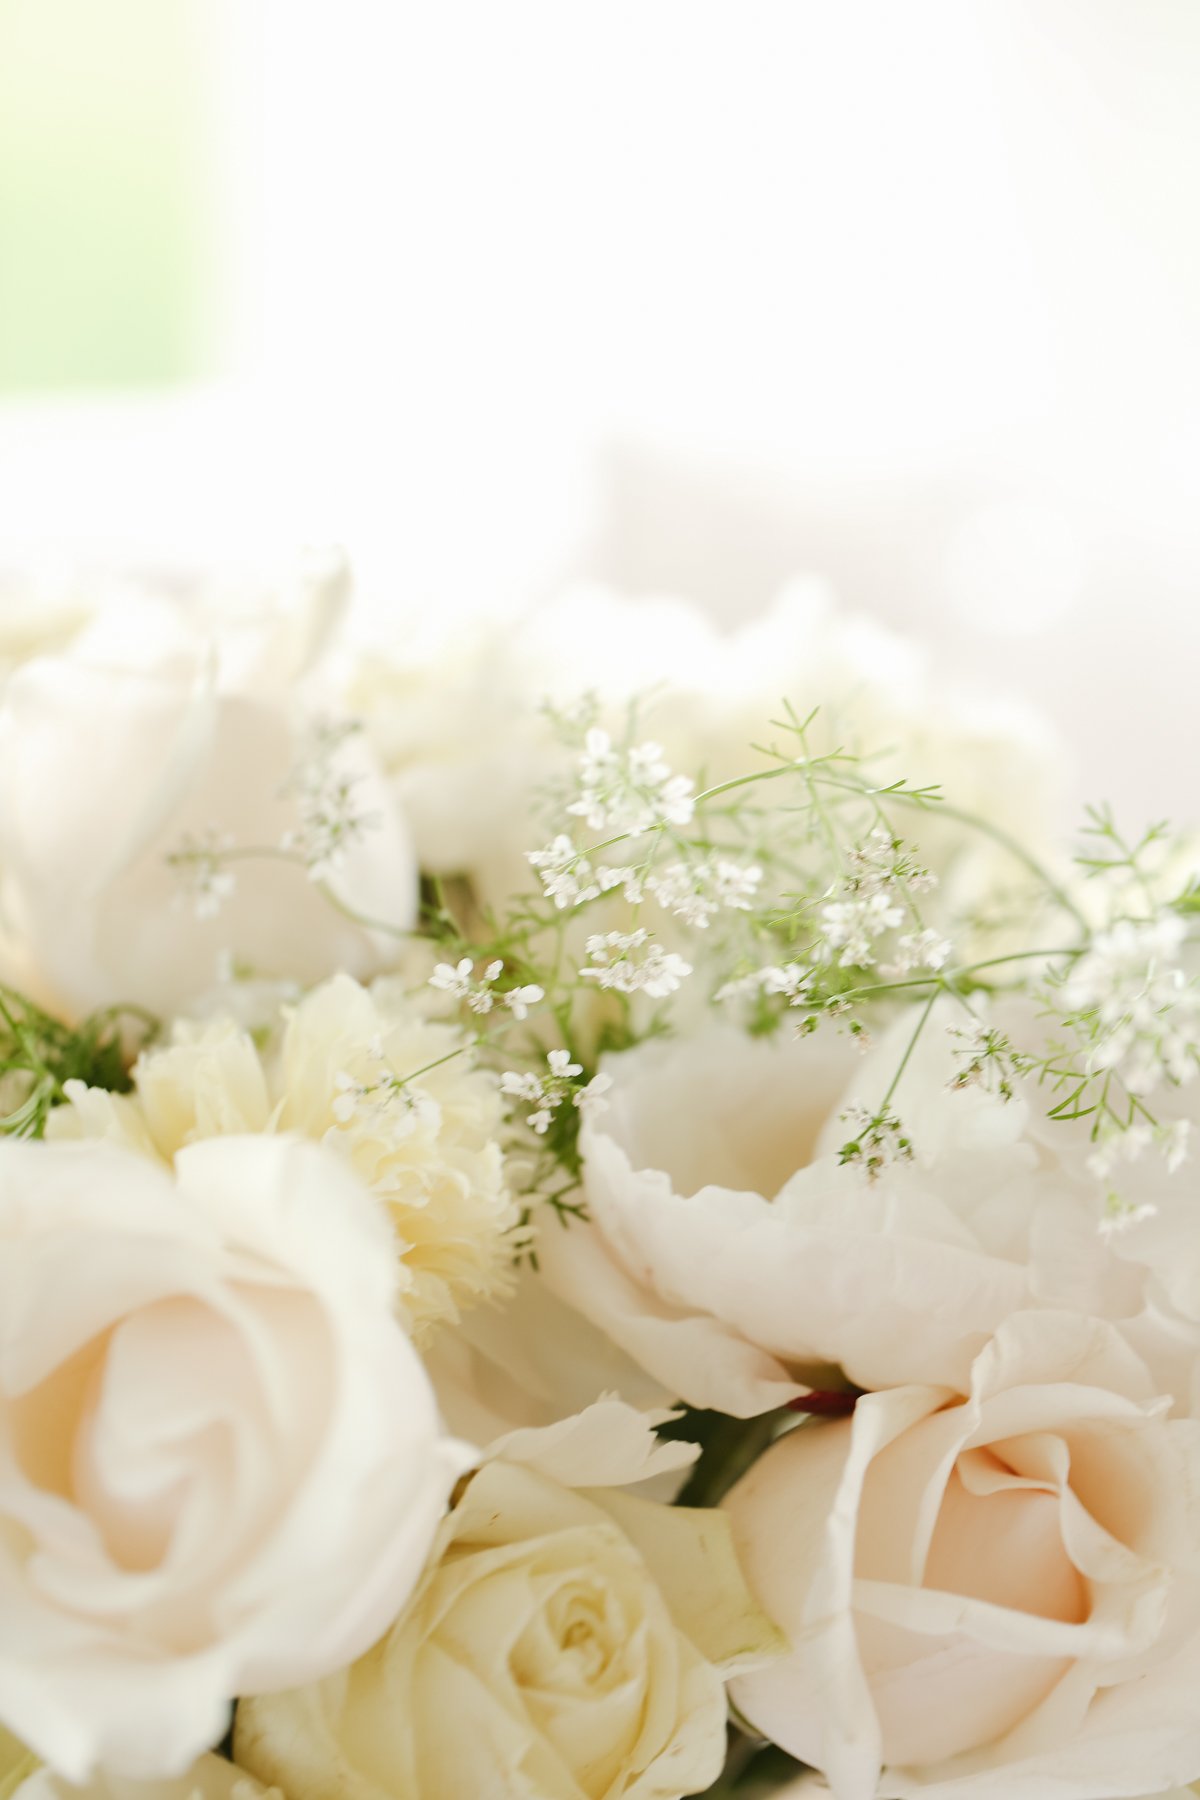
568,1642
338,1074
736,1248
224,1464
134,761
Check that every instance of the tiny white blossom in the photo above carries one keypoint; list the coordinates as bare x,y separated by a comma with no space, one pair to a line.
1135,1006
330,817
567,877
520,999
629,791
204,877
1175,1144
458,980
521,1085
1120,1215
920,950
562,1066
590,1099
853,925
790,980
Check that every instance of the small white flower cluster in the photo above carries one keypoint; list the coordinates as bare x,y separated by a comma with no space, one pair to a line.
1135,1005
791,980
1114,1144
877,893
986,1059
385,1104
925,949
546,1093
330,819
696,892
852,926
1120,1215
205,879
630,962
879,1142
569,878
629,790
459,981
881,863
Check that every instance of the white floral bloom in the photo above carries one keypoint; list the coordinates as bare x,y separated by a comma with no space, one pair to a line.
521,1000
853,925
168,732
989,1590
1145,1006
734,1247
631,963
429,1149
567,877
629,791
568,1642
226,1464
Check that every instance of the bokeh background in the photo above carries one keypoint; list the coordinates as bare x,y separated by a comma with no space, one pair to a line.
686,294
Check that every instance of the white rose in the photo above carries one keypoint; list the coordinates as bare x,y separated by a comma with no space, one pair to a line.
730,1252
223,1463
563,1644
161,730
986,1595
338,1073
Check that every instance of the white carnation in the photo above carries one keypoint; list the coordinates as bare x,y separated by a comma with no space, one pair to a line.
429,1148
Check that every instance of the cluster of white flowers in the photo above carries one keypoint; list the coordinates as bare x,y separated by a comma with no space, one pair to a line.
631,962
569,878
546,1093
696,891
200,862
876,898
461,983
852,927
1136,1005
792,981
878,1142
331,819
629,791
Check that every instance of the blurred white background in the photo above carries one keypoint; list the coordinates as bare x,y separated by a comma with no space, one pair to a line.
685,293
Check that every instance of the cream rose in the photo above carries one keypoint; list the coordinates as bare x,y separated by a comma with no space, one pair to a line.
336,1071
563,1644
731,1254
169,729
222,1465
988,1593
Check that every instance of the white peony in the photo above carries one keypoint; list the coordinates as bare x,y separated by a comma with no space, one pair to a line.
987,1592
567,1642
429,1150
162,729
222,1462
731,1254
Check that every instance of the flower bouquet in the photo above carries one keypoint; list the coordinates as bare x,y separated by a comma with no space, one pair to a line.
594,1213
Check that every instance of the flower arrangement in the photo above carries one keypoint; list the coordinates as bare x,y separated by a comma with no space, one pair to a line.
602,1218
